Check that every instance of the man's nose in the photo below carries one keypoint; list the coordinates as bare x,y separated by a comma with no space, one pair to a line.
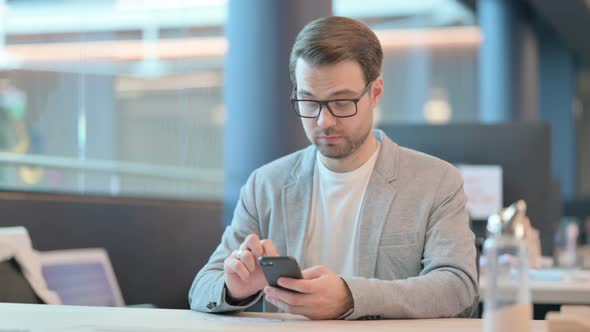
325,119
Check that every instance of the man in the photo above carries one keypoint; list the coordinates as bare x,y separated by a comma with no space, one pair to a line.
381,231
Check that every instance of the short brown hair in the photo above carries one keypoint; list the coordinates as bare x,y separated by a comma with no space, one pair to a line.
330,40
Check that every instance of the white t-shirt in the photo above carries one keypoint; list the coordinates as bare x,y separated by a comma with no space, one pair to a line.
334,219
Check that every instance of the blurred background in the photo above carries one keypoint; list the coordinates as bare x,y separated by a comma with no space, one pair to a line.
130,125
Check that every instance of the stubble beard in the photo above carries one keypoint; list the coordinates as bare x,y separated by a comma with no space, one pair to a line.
347,147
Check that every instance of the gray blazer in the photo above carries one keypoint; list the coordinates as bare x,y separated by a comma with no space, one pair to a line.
416,252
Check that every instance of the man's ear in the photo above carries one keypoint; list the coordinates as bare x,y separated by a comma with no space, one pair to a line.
377,90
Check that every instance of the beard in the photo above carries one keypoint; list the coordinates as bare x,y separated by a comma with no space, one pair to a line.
346,147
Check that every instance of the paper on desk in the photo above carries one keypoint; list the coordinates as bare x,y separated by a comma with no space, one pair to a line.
237,319
547,274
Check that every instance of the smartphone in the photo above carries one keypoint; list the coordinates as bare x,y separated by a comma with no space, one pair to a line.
279,266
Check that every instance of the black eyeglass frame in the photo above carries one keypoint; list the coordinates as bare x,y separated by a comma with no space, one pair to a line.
325,103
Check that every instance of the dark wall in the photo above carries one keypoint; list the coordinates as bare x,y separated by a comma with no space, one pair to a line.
523,150
156,246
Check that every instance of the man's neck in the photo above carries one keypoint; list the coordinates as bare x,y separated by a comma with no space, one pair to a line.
355,160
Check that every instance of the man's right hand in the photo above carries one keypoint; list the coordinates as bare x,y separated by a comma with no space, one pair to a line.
243,274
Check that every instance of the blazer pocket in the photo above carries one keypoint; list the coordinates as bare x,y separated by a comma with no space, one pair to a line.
398,239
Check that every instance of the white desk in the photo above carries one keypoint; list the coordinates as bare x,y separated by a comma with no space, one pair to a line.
34,318
551,292
572,290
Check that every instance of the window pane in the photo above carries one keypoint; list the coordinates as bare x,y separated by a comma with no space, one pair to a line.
126,101
430,63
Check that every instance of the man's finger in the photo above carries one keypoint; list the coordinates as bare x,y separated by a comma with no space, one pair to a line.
236,266
247,257
291,298
252,243
292,309
279,304
314,272
299,285
269,248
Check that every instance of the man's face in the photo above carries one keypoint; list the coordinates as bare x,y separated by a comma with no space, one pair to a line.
337,138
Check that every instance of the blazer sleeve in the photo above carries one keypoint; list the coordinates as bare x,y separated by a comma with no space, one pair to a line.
447,286
207,293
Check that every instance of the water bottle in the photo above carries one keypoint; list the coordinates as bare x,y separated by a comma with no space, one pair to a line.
507,298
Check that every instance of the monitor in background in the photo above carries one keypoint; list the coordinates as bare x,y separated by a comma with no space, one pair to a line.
483,186
82,277
522,150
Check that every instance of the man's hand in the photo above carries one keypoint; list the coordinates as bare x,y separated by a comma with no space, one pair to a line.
323,294
243,274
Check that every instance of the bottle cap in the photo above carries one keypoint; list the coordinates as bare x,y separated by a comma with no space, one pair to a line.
510,221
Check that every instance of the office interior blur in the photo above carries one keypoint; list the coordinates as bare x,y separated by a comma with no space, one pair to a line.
128,127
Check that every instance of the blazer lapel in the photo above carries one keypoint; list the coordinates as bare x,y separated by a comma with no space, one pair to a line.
377,203
297,194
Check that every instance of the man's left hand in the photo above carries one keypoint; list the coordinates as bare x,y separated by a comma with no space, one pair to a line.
322,294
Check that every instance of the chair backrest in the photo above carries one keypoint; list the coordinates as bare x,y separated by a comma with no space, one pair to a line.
136,232
82,277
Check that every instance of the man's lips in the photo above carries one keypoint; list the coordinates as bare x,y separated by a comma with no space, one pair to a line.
329,139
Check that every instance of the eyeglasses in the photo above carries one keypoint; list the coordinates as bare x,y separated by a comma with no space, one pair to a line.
340,108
